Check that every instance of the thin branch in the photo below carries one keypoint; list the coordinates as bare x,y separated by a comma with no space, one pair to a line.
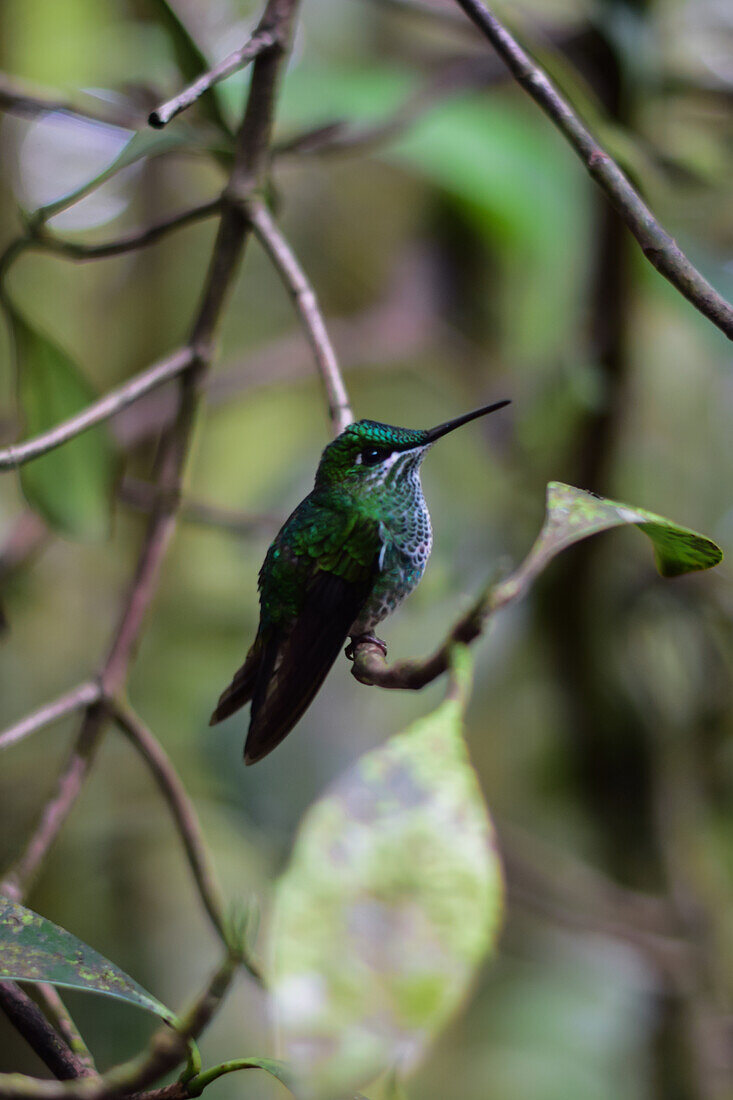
140,239
659,248
182,809
250,163
370,664
62,1020
27,1019
307,306
19,98
77,699
68,786
107,406
371,668
120,398
263,39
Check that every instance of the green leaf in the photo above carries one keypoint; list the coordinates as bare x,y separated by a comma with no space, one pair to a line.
72,486
279,1070
190,60
392,897
145,143
574,514
32,949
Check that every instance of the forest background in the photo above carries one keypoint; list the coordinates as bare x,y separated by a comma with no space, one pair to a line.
460,255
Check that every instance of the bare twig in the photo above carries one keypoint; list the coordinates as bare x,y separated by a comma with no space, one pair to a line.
250,162
107,406
182,809
73,250
135,388
27,1018
263,39
56,810
77,699
371,668
659,248
370,665
60,1017
306,304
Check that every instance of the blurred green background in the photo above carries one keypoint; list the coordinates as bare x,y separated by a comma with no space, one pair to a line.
463,258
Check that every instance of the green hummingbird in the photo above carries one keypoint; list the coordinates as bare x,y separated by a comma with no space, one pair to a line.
346,557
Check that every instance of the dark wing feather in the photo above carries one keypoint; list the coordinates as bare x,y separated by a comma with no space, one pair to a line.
305,655
317,577
240,690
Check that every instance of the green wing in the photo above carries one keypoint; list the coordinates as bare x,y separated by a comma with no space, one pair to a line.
317,577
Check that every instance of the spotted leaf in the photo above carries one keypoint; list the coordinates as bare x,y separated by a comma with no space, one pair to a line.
392,897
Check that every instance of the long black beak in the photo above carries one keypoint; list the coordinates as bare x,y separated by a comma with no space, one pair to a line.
450,425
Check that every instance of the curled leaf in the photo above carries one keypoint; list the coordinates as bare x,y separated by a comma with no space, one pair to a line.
33,949
392,898
574,514
72,486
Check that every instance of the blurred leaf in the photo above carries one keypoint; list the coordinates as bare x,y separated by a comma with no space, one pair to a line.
484,153
315,94
33,949
190,60
145,143
574,514
392,898
72,486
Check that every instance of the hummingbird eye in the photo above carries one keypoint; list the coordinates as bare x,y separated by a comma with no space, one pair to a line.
372,456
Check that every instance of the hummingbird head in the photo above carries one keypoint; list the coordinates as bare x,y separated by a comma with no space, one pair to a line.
369,456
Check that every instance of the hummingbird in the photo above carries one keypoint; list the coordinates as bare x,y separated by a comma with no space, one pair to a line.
343,560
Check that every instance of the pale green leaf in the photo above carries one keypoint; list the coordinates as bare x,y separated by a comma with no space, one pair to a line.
33,949
71,486
392,897
144,144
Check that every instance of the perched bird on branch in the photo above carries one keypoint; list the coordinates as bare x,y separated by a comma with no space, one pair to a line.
346,557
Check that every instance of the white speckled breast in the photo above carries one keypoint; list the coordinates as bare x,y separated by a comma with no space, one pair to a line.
407,539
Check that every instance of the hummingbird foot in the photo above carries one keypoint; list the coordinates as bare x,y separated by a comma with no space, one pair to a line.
357,639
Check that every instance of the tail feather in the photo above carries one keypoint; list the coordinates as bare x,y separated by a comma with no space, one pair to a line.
301,658
240,690
286,667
